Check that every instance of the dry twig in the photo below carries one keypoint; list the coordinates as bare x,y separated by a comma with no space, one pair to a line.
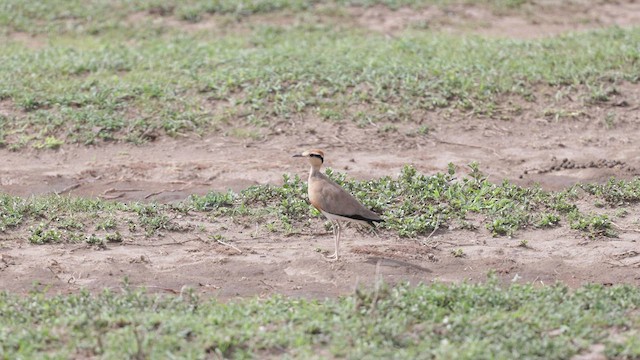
68,188
229,245
624,229
162,191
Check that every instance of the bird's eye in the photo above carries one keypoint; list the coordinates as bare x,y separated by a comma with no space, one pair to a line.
317,156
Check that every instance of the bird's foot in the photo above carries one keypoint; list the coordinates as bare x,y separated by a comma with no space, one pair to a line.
333,257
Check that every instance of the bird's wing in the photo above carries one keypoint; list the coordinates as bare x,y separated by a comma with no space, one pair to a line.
335,200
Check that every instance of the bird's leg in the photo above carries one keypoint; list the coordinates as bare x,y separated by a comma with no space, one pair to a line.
338,238
336,235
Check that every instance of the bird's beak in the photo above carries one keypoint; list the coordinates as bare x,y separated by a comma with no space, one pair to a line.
298,155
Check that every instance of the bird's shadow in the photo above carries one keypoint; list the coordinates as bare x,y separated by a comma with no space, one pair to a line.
375,260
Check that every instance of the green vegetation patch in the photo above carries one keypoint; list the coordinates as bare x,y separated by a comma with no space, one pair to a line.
78,17
416,204
427,321
134,80
54,218
616,192
412,205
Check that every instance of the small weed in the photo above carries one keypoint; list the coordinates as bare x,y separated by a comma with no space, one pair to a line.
420,131
615,192
107,224
503,226
114,237
153,219
610,120
459,253
601,93
388,128
94,240
213,201
594,225
423,130
51,142
330,114
559,114
70,224
216,237
467,225
476,174
132,226
190,14
242,133
621,213
548,220
271,227
40,234
75,237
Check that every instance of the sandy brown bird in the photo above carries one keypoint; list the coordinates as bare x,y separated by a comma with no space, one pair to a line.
332,200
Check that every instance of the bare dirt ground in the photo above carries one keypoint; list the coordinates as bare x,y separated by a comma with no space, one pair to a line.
598,141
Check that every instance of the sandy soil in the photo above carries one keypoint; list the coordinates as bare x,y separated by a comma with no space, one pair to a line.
597,141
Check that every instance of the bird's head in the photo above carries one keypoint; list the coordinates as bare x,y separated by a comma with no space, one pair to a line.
314,156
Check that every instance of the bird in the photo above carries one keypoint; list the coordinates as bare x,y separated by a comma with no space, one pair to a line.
334,202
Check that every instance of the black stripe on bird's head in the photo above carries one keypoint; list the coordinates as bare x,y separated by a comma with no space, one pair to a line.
318,154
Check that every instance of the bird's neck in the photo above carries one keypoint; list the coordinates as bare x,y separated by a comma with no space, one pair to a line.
314,171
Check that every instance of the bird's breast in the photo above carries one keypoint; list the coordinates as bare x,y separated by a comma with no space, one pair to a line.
315,199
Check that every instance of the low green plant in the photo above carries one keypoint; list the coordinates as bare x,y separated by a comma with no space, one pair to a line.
42,234
107,224
99,77
412,205
615,192
153,218
212,201
50,142
93,239
463,321
70,223
594,225
113,237
548,220
459,253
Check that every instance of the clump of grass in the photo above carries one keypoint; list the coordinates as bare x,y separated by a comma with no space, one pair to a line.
113,237
93,239
41,234
12,211
107,224
57,218
50,142
154,217
213,201
459,253
548,220
594,225
616,192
